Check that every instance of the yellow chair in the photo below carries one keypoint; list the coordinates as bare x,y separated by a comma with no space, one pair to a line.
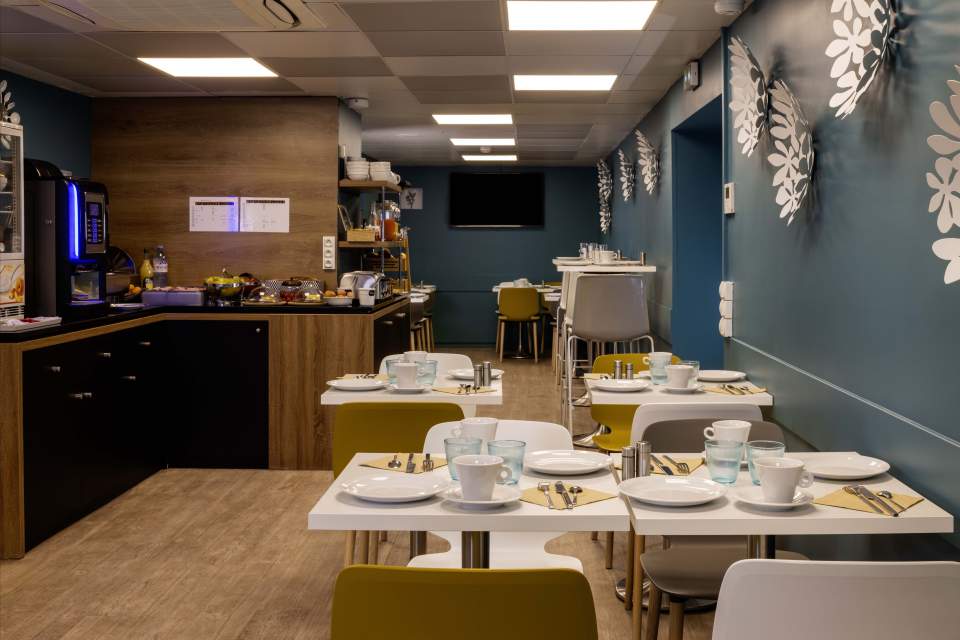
520,305
402,603
617,417
387,427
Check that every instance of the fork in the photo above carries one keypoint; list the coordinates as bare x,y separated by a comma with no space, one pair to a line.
545,488
682,467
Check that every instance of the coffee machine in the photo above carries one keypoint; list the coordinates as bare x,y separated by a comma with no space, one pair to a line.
66,223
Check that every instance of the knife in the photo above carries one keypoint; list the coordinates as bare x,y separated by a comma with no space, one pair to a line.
666,470
562,490
411,465
873,497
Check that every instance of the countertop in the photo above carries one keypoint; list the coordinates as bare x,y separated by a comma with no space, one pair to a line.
121,316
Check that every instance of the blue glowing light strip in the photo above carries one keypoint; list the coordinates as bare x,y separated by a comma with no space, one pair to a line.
74,222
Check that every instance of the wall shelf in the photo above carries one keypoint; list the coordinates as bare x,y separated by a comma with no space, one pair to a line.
369,185
344,244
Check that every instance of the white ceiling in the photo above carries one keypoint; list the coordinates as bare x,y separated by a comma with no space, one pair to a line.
410,59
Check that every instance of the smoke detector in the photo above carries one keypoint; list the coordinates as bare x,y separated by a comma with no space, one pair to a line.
728,7
357,104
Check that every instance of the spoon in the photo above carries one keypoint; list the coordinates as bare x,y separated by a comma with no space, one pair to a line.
883,493
575,490
393,464
545,488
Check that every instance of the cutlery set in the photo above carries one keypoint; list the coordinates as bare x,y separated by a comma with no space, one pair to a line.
569,496
872,499
467,389
426,465
742,390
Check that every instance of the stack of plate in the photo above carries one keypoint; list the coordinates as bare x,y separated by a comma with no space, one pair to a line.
381,172
358,169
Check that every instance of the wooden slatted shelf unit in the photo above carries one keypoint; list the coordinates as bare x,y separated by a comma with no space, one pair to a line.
369,185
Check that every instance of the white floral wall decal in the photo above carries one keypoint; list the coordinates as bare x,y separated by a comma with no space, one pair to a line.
628,174
605,189
793,155
748,96
864,32
649,161
7,114
945,179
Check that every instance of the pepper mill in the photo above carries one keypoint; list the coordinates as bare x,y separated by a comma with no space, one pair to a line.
643,458
487,374
628,463
629,374
477,376
617,369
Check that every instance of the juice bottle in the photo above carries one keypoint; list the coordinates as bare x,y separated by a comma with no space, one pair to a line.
146,270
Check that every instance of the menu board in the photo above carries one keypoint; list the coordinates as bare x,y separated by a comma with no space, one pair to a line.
214,213
265,215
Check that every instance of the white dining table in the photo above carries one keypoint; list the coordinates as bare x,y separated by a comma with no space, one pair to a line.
335,397
339,511
544,290
593,267
658,394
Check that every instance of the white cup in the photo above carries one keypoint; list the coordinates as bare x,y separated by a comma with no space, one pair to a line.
679,375
406,373
606,257
479,474
780,477
368,297
734,430
483,428
414,356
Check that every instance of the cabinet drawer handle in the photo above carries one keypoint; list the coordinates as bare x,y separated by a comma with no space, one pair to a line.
104,354
87,395
258,329
388,323
54,368
75,396
145,343
129,378
400,316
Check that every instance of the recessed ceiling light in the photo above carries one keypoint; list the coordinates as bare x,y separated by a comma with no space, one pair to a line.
621,15
483,142
210,67
563,83
476,118
491,158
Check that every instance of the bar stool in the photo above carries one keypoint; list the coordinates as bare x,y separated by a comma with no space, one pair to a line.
418,339
520,305
430,342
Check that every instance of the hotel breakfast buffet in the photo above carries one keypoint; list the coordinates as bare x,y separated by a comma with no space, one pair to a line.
513,319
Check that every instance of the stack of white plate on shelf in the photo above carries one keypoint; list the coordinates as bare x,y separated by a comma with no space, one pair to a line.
358,169
380,171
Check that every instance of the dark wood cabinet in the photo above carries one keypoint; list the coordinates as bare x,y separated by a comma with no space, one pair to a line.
391,334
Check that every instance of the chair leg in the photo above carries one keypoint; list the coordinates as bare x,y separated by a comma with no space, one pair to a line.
536,352
594,535
383,536
639,546
496,346
609,550
676,618
628,582
503,337
653,613
364,545
349,545
374,548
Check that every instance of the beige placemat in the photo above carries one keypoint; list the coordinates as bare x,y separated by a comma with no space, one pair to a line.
844,500
382,463
459,391
693,463
749,390
350,376
535,496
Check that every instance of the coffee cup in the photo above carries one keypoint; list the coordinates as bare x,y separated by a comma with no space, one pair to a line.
483,428
679,375
406,373
734,430
479,474
414,356
780,477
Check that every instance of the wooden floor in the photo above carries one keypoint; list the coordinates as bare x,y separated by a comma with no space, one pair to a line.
211,554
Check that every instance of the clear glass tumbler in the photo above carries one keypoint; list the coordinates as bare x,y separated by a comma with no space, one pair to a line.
454,447
762,449
512,453
723,460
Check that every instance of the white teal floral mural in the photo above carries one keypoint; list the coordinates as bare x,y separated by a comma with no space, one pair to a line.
945,178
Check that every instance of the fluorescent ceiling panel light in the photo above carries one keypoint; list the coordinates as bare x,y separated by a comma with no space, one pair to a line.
563,83
477,118
491,158
483,142
210,67
620,15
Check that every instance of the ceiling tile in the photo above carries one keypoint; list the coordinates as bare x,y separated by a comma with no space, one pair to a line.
426,16
690,44
172,15
303,44
127,84
567,64
634,97
244,86
448,66
456,83
656,64
327,67
562,97
527,131
438,43
365,87
160,44
332,16
588,43
654,83
13,21
686,15
488,96
105,63
67,45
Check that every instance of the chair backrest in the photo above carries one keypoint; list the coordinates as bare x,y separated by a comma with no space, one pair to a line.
800,600
604,364
610,307
570,300
537,435
445,361
647,414
413,603
687,435
519,303
385,427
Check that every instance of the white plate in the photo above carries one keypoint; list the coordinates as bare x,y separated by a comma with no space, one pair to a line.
695,389
417,389
719,375
339,302
846,466
501,495
572,263
395,487
467,374
621,386
754,497
628,263
127,305
671,491
357,384
564,462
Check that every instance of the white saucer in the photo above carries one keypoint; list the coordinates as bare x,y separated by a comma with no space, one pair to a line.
621,386
753,496
417,389
395,487
696,389
357,384
847,466
720,375
467,374
566,462
672,491
502,495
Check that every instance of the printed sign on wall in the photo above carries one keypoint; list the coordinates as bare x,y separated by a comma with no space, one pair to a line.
411,198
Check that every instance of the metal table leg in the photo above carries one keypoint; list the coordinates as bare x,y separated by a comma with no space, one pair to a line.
418,543
475,549
762,546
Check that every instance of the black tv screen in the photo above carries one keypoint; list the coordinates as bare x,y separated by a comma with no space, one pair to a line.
496,199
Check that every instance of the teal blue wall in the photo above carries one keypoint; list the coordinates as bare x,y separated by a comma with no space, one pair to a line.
466,263
56,123
844,314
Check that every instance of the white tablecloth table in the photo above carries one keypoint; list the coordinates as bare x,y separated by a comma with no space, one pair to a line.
657,394
335,397
604,268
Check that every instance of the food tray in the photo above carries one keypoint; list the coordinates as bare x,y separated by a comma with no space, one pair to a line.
39,323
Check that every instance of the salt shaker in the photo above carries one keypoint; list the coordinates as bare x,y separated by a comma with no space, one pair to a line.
487,378
617,369
643,458
628,463
477,376
629,373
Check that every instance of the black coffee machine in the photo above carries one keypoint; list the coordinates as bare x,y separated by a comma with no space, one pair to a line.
66,243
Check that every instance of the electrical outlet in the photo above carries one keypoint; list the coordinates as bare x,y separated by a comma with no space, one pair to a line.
729,205
329,253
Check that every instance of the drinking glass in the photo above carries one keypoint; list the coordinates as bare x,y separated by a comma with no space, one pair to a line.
762,449
512,453
454,447
426,372
723,460
694,379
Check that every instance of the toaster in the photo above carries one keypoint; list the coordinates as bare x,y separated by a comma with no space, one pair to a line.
356,280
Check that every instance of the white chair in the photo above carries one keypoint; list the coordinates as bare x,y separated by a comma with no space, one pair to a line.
789,600
508,550
648,414
445,361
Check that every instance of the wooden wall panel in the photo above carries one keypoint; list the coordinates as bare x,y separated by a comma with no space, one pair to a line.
153,153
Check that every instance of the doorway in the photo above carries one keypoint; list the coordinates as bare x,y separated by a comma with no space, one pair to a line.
698,235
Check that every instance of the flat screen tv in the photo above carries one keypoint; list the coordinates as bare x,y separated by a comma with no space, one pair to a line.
496,199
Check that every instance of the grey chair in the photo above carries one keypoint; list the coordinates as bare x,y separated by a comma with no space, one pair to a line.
692,567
